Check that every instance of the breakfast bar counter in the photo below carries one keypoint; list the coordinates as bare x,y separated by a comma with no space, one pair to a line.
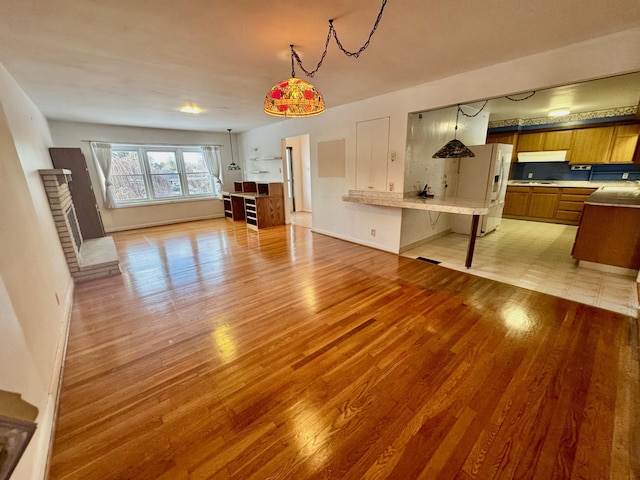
414,202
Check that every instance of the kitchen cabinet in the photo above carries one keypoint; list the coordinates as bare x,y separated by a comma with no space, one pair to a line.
592,145
558,140
625,142
530,142
84,199
571,203
549,204
545,141
506,138
516,201
620,246
542,202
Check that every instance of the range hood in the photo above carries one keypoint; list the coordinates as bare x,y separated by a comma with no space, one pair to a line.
549,156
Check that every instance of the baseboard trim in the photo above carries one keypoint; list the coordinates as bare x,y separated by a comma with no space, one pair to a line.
353,240
56,381
444,233
163,222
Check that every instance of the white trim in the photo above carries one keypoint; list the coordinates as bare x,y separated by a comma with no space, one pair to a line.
164,222
353,240
47,420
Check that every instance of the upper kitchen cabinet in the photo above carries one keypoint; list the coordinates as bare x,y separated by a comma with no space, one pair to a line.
558,140
545,141
605,144
592,145
625,143
510,138
530,142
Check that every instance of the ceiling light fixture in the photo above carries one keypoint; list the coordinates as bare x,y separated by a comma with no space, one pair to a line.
191,108
559,112
455,148
296,98
232,165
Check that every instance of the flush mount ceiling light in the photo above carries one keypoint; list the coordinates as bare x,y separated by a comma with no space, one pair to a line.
559,112
296,98
232,165
191,108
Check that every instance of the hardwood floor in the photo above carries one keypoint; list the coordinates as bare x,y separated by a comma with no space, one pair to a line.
283,354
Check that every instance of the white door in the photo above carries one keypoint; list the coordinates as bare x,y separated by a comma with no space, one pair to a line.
372,146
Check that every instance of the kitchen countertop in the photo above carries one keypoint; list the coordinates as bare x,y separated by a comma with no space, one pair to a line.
447,205
615,196
410,200
571,183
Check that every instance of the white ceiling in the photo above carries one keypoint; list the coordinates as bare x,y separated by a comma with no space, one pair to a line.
134,62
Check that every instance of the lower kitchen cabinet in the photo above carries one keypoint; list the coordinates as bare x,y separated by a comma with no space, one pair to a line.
609,235
516,202
571,203
547,204
542,202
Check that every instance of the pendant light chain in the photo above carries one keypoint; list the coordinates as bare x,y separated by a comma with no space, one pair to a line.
333,33
487,101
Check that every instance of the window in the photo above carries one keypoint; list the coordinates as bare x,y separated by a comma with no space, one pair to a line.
149,174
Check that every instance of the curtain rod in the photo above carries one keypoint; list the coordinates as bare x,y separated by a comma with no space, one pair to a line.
155,144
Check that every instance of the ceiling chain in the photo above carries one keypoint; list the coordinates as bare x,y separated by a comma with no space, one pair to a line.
333,33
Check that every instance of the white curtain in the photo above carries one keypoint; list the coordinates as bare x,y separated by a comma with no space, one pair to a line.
213,160
102,156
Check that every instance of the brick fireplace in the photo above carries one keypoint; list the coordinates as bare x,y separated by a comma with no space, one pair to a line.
87,259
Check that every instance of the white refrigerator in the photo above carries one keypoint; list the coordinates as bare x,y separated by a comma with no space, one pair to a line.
483,178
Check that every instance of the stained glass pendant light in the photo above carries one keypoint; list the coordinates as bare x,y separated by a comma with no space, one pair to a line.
297,98
232,165
454,148
293,97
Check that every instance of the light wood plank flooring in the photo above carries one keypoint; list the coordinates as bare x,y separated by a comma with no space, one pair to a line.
283,354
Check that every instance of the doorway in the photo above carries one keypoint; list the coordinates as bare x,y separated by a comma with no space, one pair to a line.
297,177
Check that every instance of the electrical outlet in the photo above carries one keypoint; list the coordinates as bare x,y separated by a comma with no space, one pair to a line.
625,175
373,232
391,186
392,156
530,175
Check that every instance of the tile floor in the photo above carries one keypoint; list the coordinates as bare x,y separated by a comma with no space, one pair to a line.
536,256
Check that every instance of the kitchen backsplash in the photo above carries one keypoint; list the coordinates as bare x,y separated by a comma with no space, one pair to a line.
563,171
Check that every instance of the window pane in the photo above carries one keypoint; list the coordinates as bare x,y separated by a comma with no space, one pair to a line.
199,183
194,162
164,174
125,163
129,187
127,177
166,185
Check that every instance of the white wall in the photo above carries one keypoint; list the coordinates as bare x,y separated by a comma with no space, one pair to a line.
71,134
613,54
35,284
425,136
